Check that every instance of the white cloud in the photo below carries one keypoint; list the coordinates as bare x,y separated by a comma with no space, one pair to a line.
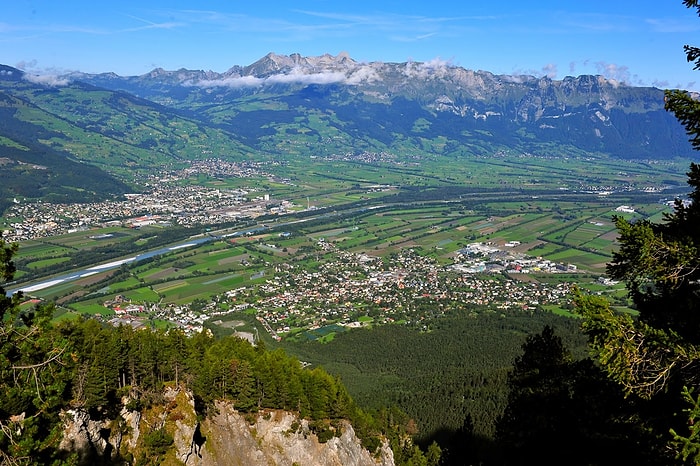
26,65
435,68
414,38
233,82
46,76
673,25
365,74
152,25
436,63
613,71
47,79
356,76
303,78
550,70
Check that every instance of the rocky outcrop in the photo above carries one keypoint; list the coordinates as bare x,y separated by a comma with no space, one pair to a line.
89,438
279,438
225,436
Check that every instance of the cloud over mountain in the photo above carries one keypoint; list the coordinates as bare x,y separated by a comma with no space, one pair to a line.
50,80
387,105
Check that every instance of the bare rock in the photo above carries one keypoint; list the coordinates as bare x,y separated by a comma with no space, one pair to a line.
225,436
279,438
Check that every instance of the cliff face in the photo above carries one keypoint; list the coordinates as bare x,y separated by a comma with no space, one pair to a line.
279,438
225,436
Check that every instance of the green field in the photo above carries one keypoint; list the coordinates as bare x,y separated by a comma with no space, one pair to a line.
438,232
436,209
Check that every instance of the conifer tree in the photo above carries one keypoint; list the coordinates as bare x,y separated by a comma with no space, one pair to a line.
35,373
660,264
657,355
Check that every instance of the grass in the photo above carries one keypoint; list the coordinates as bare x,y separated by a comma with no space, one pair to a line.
46,262
168,286
141,295
91,308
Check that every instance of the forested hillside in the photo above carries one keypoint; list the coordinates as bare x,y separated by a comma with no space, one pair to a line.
456,373
47,368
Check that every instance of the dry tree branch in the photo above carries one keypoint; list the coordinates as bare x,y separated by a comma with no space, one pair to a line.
641,358
651,366
57,353
670,254
35,368
6,459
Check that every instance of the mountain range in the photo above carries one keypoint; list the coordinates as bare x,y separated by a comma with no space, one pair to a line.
290,106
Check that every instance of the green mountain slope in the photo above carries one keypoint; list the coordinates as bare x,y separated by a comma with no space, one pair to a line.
288,107
79,143
114,130
31,167
334,105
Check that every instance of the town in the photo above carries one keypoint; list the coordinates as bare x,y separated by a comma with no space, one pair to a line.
350,290
344,290
165,201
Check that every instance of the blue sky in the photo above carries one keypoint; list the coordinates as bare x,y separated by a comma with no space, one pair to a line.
638,42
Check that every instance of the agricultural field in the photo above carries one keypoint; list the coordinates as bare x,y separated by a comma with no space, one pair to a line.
216,267
350,214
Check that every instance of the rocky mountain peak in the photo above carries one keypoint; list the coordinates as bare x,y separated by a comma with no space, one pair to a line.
278,64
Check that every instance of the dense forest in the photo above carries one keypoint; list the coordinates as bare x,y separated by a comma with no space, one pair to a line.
454,373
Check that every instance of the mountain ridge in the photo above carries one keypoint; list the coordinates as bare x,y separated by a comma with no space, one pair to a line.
273,62
586,112
284,106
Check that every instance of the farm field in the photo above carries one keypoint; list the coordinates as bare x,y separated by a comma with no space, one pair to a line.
542,208
438,232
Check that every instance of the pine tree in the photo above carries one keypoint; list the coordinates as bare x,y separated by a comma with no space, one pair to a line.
565,411
657,356
35,373
660,263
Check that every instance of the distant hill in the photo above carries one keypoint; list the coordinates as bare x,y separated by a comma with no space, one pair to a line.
349,106
88,128
68,141
33,163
